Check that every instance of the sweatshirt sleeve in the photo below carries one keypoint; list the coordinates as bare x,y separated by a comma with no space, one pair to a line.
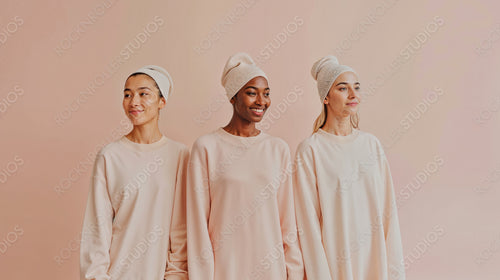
309,215
176,268
293,255
200,251
97,225
395,257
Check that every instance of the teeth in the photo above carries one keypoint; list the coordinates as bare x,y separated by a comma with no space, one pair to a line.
258,110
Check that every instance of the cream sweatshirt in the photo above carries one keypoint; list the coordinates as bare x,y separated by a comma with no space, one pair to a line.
134,226
240,209
346,209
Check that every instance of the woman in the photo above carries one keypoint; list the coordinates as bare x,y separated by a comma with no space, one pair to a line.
343,189
240,213
134,226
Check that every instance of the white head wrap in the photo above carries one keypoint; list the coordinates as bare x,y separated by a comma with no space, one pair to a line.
160,76
239,69
325,71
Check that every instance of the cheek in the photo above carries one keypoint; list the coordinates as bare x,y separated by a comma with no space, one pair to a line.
245,101
241,106
150,102
239,103
338,99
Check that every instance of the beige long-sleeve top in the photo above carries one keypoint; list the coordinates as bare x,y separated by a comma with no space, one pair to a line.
346,209
134,226
240,209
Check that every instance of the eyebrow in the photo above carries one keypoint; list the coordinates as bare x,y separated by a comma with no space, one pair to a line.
255,88
127,89
344,83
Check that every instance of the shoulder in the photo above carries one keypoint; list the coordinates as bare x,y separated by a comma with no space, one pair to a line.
176,146
205,141
276,142
307,144
369,138
111,148
372,144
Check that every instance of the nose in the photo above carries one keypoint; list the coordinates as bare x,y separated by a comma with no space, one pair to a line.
353,94
134,100
259,99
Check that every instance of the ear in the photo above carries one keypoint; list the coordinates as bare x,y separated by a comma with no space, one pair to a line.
326,101
233,99
162,102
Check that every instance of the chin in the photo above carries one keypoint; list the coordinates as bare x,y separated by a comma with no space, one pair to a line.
256,120
136,122
353,111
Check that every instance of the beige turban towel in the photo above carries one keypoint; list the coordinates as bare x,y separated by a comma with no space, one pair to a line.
161,77
325,71
239,70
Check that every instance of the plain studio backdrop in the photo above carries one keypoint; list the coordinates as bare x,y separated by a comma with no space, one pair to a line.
428,69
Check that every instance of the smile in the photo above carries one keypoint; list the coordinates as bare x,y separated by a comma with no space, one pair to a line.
135,112
258,112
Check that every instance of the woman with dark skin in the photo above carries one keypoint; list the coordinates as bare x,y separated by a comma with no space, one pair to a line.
240,212
249,107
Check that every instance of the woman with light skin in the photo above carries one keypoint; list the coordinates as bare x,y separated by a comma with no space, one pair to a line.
240,212
343,189
134,225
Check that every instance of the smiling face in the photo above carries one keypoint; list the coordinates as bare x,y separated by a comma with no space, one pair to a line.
344,96
141,99
252,100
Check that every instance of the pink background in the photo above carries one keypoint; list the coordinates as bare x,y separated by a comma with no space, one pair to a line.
428,70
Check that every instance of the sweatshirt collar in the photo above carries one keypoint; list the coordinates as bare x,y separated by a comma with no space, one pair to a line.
144,147
340,138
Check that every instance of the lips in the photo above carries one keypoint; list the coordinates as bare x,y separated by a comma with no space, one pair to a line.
258,111
135,112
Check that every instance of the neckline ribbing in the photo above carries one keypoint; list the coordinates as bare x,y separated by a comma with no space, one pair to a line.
340,138
144,147
239,140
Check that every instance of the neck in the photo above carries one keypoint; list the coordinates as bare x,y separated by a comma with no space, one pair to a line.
145,134
338,125
240,127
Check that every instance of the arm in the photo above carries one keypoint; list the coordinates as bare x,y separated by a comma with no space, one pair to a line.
97,225
395,257
200,251
293,255
309,215
176,268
